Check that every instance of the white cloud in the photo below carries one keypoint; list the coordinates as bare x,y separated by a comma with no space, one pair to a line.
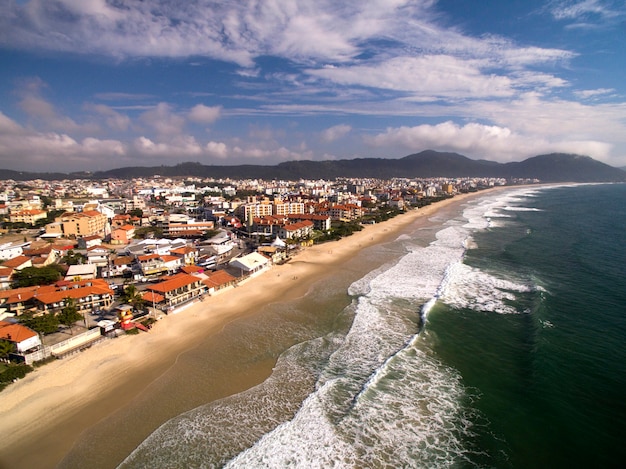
163,120
432,75
336,132
204,114
587,94
481,141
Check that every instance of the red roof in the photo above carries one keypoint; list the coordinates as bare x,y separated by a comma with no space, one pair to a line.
15,332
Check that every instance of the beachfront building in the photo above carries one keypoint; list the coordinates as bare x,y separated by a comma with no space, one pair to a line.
22,337
177,290
250,263
88,294
299,230
218,280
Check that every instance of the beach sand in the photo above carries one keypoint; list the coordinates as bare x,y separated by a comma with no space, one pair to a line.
45,414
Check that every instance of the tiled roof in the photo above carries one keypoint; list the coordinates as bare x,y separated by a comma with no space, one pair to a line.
16,261
15,332
174,282
218,278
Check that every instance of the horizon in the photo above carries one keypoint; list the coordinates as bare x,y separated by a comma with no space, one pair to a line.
90,86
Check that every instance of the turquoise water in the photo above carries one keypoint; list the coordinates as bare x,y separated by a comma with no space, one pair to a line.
494,337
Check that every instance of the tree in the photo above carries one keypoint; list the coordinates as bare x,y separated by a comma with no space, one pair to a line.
30,276
6,348
132,296
69,314
74,258
45,324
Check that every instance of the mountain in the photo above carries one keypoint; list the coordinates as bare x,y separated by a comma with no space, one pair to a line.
555,167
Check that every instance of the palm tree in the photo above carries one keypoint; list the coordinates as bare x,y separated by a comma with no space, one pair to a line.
132,296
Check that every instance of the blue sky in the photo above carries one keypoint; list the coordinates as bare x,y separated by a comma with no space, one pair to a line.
95,84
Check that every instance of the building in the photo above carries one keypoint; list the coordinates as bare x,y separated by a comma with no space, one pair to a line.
29,217
123,234
250,263
177,289
22,337
79,224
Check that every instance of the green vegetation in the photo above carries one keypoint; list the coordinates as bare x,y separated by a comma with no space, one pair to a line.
6,348
144,232
69,314
74,258
31,276
44,324
339,230
133,297
13,372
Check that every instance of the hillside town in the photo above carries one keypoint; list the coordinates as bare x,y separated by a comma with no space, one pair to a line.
84,261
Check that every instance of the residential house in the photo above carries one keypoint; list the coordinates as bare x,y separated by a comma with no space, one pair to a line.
42,256
23,337
18,263
188,254
87,242
98,256
80,272
218,280
123,234
11,250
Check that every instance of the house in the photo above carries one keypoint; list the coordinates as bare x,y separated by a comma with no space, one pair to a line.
5,277
87,242
18,263
123,234
23,337
188,254
11,250
250,263
218,280
178,289
98,256
81,272
42,256
119,266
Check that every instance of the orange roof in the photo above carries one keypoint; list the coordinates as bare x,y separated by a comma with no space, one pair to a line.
167,258
152,297
190,269
185,250
174,282
15,332
75,293
16,261
147,257
219,278
6,271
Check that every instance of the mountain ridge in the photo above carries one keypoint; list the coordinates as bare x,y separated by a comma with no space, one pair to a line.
553,167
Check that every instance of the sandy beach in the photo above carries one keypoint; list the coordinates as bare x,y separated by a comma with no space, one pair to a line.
44,415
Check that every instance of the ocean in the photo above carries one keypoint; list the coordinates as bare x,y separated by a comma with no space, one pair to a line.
491,337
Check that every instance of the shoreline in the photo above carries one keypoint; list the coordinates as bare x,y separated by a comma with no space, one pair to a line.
45,413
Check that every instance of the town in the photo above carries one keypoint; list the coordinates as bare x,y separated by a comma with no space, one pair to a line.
85,261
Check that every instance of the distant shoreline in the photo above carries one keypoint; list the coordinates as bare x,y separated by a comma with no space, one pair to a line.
44,413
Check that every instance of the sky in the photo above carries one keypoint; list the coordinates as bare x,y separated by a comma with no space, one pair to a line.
89,85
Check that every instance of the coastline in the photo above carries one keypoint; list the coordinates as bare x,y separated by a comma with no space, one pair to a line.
45,413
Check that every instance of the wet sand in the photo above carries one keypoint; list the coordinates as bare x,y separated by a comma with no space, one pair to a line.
53,409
